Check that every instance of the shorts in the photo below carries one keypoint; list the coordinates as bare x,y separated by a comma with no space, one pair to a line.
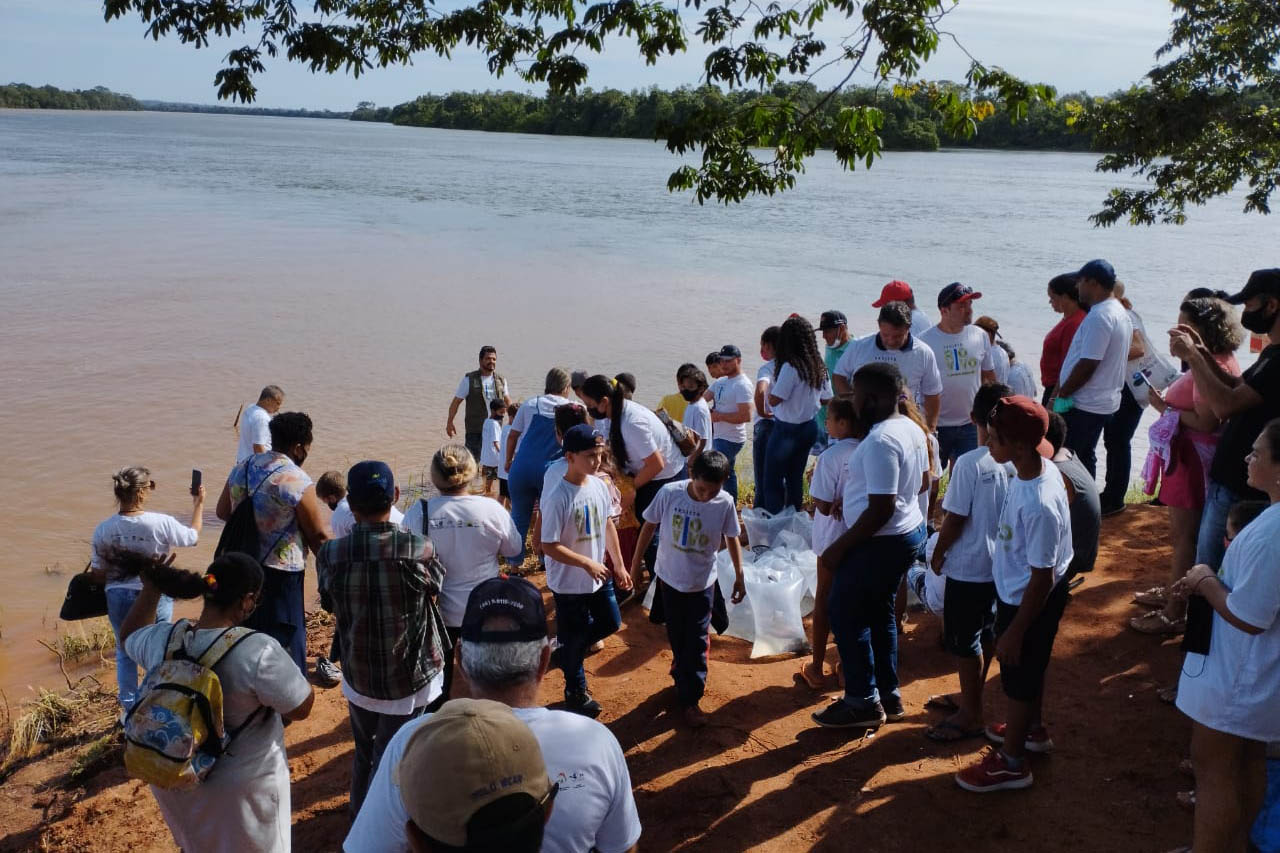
490,472
504,490
968,616
1025,682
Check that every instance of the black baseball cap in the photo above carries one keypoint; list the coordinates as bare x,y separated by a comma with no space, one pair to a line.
582,437
1260,283
1100,271
956,292
729,351
514,598
832,320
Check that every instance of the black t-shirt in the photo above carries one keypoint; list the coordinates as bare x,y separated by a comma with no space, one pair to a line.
1243,429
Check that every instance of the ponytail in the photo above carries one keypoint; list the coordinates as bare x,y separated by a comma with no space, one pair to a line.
601,387
227,580
908,409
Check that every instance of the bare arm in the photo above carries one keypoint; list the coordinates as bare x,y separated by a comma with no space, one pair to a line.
877,514
311,522
259,448
760,391
741,415
840,385
642,544
739,583
197,510
1136,348
449,429
952,527
988,376
1080,374
143,611
223,509
613,545
302,711
652,467
561,554
1202,581
932,405
513,438
1225,399
1009,646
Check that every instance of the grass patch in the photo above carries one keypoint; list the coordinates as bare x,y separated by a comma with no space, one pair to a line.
44,719
93,637
96,757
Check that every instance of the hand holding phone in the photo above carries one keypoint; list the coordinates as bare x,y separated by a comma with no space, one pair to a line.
196,478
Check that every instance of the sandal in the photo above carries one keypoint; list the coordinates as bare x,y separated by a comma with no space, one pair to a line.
1168,695
942,702
949,731
804,677
1157,596
1157,624
1186,800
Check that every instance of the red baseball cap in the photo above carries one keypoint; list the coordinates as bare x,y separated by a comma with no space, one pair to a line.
894,291
1021,420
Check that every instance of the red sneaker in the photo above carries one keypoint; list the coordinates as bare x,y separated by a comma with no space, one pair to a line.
1038,740
993,773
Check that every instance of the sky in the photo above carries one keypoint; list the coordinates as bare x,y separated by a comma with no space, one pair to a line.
1092,45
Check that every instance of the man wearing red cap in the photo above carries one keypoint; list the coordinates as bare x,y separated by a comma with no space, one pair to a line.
1032,555
900,291
963,353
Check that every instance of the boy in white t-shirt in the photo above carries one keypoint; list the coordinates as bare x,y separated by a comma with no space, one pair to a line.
696,517
731,396
844,432
1032,554
491,442
504,493
762,426
576,532
963,554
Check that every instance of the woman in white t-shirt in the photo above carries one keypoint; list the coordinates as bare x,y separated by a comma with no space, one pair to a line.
763,424
469,533
1232,694
800,389
134,531
697,414
243,804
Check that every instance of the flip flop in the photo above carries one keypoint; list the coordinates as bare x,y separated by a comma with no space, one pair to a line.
942,702
1157,624
1157,596
802,677
951,732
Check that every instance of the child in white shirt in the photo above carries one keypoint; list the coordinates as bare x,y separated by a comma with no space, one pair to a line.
490,442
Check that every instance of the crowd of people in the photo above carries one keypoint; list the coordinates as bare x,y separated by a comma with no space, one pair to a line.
440,655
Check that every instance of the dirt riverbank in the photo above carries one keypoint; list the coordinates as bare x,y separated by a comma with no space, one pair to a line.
761,776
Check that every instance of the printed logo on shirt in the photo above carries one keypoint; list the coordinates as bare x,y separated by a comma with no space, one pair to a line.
686,533
1005,534
958,362
571,780
589,521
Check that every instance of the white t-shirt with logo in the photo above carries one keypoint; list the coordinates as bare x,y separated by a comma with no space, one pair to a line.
800,400
151,533
255,428
829,474
961,359
1103,336
916,362
689,535
594,810
976,491
575,517
1035,532
341,522
891,460
727,393
765,375
697,417
469,533
643,434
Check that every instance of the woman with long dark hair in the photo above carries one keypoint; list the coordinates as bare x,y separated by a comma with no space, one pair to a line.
1064,298
243,804
800,388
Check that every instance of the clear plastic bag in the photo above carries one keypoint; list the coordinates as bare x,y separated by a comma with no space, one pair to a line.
763,527
775,593
741,621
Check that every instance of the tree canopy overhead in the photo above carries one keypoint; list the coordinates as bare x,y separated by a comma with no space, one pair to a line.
1190,130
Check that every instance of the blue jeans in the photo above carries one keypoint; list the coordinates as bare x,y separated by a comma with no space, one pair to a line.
759,444
861,607
1117,436
955,441
119,600
1211,542
688,618
1083,431
730,449
581,621
784,465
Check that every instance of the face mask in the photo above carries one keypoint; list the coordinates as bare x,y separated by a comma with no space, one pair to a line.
1259,322
690,395
598,414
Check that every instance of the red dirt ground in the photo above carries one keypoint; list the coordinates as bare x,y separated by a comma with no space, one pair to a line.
761,776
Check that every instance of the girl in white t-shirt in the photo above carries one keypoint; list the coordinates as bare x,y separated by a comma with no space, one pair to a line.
826,488
132,532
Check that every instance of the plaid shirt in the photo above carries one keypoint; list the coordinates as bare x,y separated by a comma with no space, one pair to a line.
383,587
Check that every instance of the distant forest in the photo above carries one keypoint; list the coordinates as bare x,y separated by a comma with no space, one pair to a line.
22,96
910,122
174,107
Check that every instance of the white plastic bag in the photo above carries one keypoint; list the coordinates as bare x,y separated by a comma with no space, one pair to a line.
741,622
775,595
763,527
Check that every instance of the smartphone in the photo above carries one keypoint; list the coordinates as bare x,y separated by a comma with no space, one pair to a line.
196,478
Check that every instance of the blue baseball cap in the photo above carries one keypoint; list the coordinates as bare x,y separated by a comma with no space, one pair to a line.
1100,271
582,437
956,292
370,482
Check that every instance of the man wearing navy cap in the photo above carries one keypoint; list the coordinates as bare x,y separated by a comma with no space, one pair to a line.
732,398
962,353
834,328
1093,372
383,586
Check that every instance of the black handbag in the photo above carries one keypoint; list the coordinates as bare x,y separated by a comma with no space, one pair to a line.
86,598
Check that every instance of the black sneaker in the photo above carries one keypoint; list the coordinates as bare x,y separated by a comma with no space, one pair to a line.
1109,511
327,672
582,703
841,715
893,710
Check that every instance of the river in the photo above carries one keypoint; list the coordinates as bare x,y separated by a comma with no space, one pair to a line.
159,268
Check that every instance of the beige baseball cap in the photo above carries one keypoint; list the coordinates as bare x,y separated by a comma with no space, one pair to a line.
469,754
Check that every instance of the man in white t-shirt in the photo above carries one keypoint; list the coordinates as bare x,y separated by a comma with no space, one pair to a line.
900,291
963,553
885,475
502,656
1031,557
477,389
762,423
254,423
963,353
1093,372
894,343
731,399
833,325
